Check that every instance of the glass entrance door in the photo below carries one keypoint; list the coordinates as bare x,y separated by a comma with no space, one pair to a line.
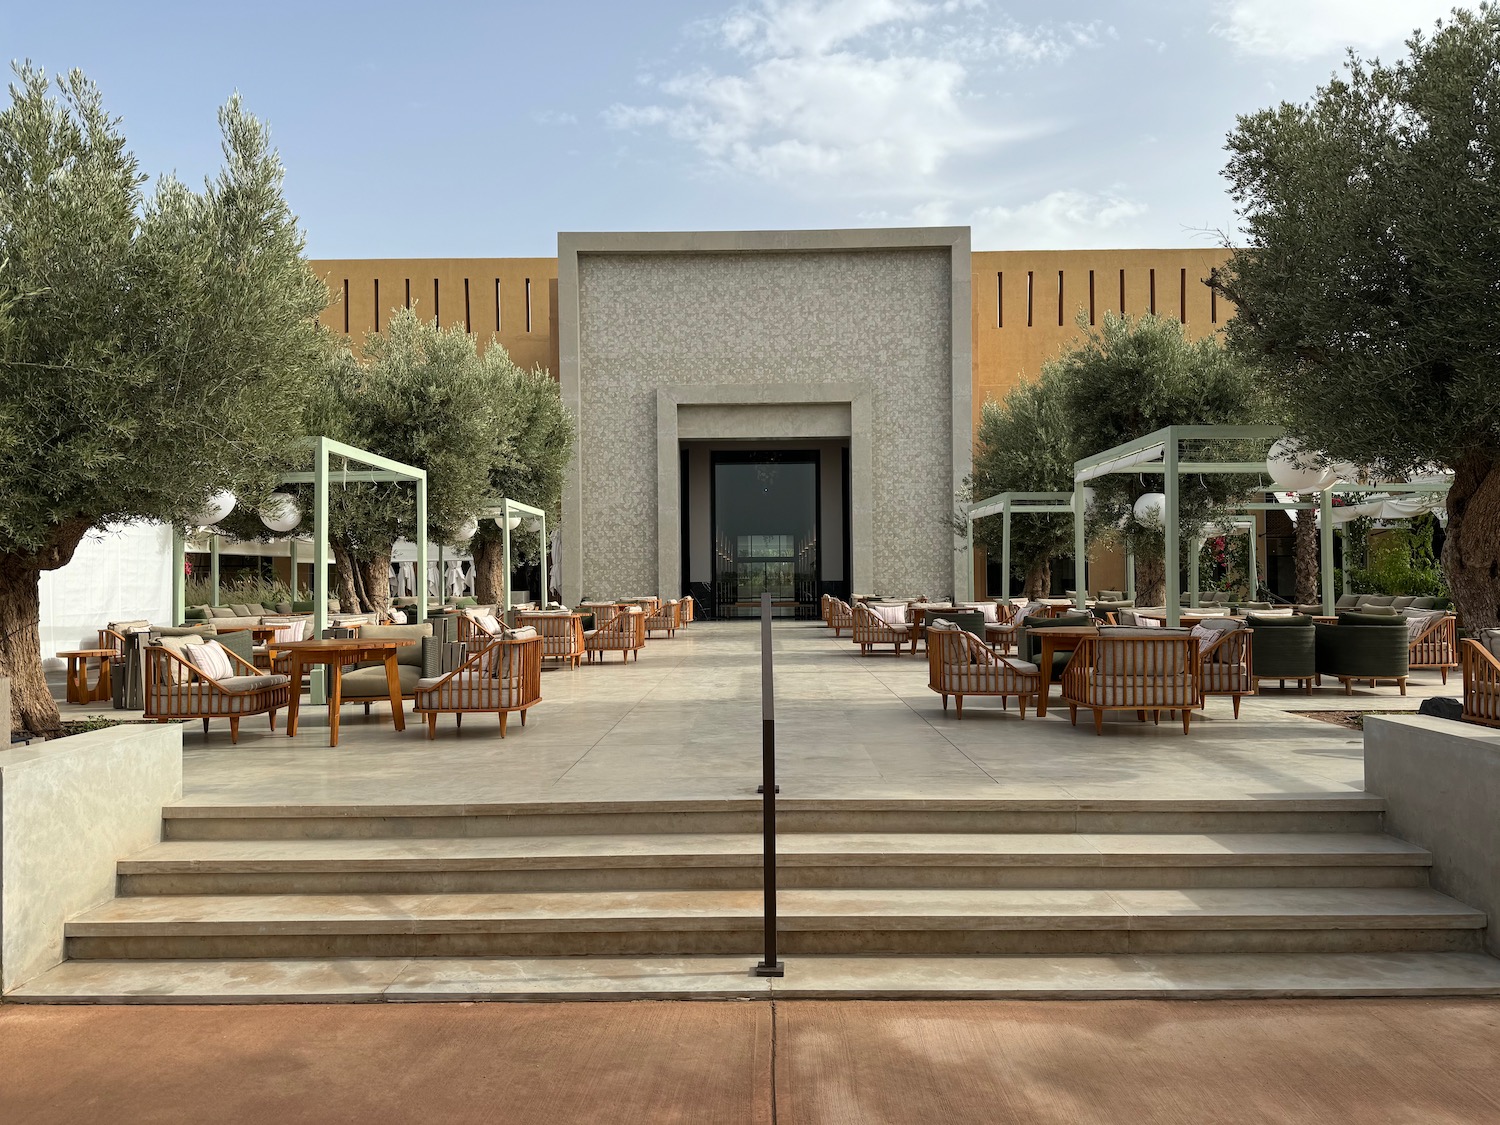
765,512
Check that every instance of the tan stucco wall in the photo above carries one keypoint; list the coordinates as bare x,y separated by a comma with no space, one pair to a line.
535,346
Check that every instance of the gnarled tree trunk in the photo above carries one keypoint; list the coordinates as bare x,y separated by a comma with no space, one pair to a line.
1305,557
1039,580
1471,552
32,707
1150,580
489,568
375,574
346,577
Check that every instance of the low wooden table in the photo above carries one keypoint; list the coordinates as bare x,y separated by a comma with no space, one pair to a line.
335,654
78,675
1061,638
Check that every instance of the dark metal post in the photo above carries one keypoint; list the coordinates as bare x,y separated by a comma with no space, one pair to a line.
770,966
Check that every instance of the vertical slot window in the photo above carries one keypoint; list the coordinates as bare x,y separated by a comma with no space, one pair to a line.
377,304
1091,298
1182,297
1213,306
468,320
408,292
1059,298
436,316
497,306
528,304
1000,300
346,306
1030,296
1122,292
1151,298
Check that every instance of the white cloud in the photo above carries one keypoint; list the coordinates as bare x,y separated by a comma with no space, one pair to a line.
1066,219
1305,29
857,96
554,117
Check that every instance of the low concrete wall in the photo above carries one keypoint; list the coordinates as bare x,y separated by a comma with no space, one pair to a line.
69,810
1441,784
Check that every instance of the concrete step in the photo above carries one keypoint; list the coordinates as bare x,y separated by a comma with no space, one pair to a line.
824,921
1163,976
685,860
1317,812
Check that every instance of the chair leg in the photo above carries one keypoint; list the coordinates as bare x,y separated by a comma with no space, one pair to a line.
273,719
1348,686
945,700
503,716
1445,673
1187,717
431,725
1098,721
205,726
1402,683
1073,714
1021,702
458,721
1140,716
523,715
1237,706
234,729
958,702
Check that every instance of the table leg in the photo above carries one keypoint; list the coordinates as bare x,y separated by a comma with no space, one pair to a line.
393,683
71,694
103,689
335,702
1044,666
294,697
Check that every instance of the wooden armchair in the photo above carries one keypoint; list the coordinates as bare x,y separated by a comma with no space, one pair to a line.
689,609
561,633
666,617
497,679
870,629
1481,684
960,664
621,630
840,617
1224,666
1436,646
1134,673
469,627
178,689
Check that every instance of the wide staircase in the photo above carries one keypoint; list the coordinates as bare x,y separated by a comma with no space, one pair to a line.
1045,898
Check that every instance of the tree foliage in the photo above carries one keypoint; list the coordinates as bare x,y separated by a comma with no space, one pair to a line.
426,396
1366,289
1125,378
1024,444
154,347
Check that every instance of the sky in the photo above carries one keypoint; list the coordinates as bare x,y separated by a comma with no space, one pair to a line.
447,129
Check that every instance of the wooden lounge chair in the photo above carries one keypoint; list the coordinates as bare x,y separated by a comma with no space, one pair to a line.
1481,684
1224,665
498,678
666,617
840,617
561,633
960,664
1134,670
621,630
870,629
1436,646
177,689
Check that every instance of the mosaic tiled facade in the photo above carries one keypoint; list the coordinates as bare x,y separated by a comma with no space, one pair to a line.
878,317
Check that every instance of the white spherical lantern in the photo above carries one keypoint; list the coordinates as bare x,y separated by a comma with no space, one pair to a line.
512,522
219,505
1151,509
466,530
1295,470
280,512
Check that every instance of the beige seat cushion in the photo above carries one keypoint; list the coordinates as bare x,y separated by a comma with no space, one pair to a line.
370,683
407,654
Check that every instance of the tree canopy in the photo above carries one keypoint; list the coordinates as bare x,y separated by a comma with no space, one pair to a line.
1126,378
427,396
155,347
1366,287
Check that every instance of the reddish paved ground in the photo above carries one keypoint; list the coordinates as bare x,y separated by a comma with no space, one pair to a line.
861,1063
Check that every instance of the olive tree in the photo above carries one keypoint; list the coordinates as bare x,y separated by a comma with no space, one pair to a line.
154,346
1024,444
1130,377
1366,288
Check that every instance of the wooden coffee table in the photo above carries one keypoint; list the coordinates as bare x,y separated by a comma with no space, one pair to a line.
335,654
1062,638
78,675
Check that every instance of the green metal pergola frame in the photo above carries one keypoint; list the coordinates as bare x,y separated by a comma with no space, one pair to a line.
501,512
1160,453
323,449
1008,504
